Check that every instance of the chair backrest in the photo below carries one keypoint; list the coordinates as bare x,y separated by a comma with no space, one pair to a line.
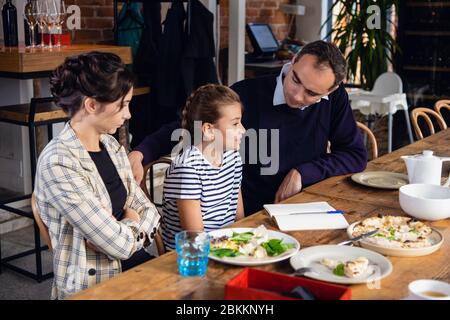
42,227
388,83
442,104
425,113
149,175
371,137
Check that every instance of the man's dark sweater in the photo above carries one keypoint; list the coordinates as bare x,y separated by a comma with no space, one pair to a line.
302,143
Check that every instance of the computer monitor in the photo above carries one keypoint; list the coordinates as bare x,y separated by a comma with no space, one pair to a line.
262,38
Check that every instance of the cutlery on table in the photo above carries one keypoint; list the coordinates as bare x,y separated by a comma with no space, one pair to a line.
318,212
365,235
301,271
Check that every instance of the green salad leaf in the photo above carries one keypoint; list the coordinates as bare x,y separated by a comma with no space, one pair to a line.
392,231
242,237
274,247
224,252
339,270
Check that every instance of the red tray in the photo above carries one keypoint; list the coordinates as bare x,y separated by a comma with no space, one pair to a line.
254,284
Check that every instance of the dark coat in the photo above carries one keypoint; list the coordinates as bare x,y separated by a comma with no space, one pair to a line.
198,60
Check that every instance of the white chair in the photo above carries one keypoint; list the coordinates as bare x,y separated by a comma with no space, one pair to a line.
386,97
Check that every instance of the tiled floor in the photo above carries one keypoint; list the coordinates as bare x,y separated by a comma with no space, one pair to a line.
14,286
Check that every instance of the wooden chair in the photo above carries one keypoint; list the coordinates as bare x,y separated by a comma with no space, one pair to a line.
371,137
442,104
39,113
42,227
425,113
149,174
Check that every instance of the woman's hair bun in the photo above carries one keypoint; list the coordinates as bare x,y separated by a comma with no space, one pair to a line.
99,75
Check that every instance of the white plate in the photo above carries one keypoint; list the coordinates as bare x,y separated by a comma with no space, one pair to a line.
381,179
436,238
379,266
248,261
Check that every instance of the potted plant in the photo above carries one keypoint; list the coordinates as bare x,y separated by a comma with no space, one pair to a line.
363,31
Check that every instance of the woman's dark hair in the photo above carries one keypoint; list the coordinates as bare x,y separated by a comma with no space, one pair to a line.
328,56
98,75
204,105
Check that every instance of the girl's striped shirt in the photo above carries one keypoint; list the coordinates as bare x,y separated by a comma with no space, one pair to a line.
191,176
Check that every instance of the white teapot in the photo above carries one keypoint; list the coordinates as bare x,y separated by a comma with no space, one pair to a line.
425,168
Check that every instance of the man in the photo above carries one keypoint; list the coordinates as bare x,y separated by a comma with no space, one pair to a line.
308,107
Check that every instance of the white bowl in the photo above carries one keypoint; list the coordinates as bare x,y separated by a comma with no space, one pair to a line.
418,290
425,201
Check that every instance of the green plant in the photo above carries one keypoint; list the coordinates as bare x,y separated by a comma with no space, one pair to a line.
368,49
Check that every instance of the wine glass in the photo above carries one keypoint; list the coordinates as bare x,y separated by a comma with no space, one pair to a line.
40,18
61,19
51,17
29,14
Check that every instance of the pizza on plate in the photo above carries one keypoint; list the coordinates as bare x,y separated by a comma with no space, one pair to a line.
395,232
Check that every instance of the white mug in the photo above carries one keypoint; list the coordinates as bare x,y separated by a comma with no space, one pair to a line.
429,290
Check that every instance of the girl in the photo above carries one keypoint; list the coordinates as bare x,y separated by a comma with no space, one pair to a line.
96,214
202,185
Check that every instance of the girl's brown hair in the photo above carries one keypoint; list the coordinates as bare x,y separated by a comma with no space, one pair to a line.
204,105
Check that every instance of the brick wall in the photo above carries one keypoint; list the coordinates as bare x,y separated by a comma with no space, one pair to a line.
96,21
259,11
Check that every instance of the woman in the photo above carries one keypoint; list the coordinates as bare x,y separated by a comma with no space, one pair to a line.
98,217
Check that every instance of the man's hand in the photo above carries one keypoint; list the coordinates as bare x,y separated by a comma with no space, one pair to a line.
292,184
135,158
132,215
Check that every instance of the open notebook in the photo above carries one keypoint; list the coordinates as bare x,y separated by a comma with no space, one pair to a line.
306,216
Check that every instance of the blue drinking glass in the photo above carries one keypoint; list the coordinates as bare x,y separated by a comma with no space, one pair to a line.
192,252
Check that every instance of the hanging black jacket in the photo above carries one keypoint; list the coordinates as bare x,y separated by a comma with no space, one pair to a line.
185,60
144,66
169,86
145,62
198,66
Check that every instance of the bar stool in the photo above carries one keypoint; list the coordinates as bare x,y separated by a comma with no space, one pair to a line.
39,112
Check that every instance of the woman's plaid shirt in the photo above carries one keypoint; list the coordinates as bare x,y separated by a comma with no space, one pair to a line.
75,205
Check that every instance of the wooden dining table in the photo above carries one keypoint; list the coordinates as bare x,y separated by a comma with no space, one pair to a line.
159,278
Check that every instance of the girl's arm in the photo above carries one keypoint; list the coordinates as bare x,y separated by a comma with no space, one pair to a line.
240,207
190,214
